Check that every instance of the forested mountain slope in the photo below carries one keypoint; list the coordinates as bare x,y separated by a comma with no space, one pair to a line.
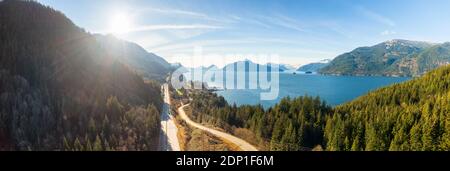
414,115
59,90
312,67
149,65
391,58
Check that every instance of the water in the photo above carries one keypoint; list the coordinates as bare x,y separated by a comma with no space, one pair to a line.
334,90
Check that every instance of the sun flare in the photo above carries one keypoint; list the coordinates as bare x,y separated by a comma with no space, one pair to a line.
120,23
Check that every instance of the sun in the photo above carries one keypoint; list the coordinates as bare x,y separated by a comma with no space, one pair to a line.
120,23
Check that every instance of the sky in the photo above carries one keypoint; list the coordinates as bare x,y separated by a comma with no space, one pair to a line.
298,31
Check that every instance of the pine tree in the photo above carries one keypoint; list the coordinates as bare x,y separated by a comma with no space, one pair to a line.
114,108
66,145
107,147
398,143
276,136
289,139
371,139
415,137
98,144
91,128
445,141
88,146
77,145
106,126
347,145
356,145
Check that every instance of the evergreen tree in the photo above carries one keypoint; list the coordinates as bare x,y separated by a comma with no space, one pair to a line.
77,145
98,144
66,144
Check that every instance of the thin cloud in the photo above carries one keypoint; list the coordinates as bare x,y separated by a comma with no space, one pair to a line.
337,28
249,21
388,33
176,11
174,27
167,27
375,16
287,22
283,21
183,13
220,43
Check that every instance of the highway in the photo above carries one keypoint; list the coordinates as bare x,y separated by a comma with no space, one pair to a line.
168,140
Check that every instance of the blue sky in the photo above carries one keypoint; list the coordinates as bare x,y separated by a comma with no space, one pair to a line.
299,31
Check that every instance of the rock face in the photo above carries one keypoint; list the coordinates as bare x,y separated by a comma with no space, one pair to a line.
391,58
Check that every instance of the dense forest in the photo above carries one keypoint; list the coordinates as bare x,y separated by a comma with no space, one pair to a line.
60,91
410,116
292,124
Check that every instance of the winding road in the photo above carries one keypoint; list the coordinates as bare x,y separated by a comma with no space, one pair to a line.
168,136
243,145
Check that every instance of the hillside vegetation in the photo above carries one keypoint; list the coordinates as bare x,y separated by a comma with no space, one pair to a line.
414,115
61,91
293,124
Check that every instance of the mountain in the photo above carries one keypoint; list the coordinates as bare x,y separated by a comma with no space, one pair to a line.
248,63
146,64
434,57
391,58
62,90
314,67
325,61
245,63
176,65
211,67
283,67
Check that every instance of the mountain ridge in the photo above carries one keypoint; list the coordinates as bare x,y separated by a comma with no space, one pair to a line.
396,57
315,66
147,64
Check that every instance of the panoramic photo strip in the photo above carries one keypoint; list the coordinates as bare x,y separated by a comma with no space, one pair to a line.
225,83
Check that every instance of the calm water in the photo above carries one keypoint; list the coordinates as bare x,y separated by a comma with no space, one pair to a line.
334,90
